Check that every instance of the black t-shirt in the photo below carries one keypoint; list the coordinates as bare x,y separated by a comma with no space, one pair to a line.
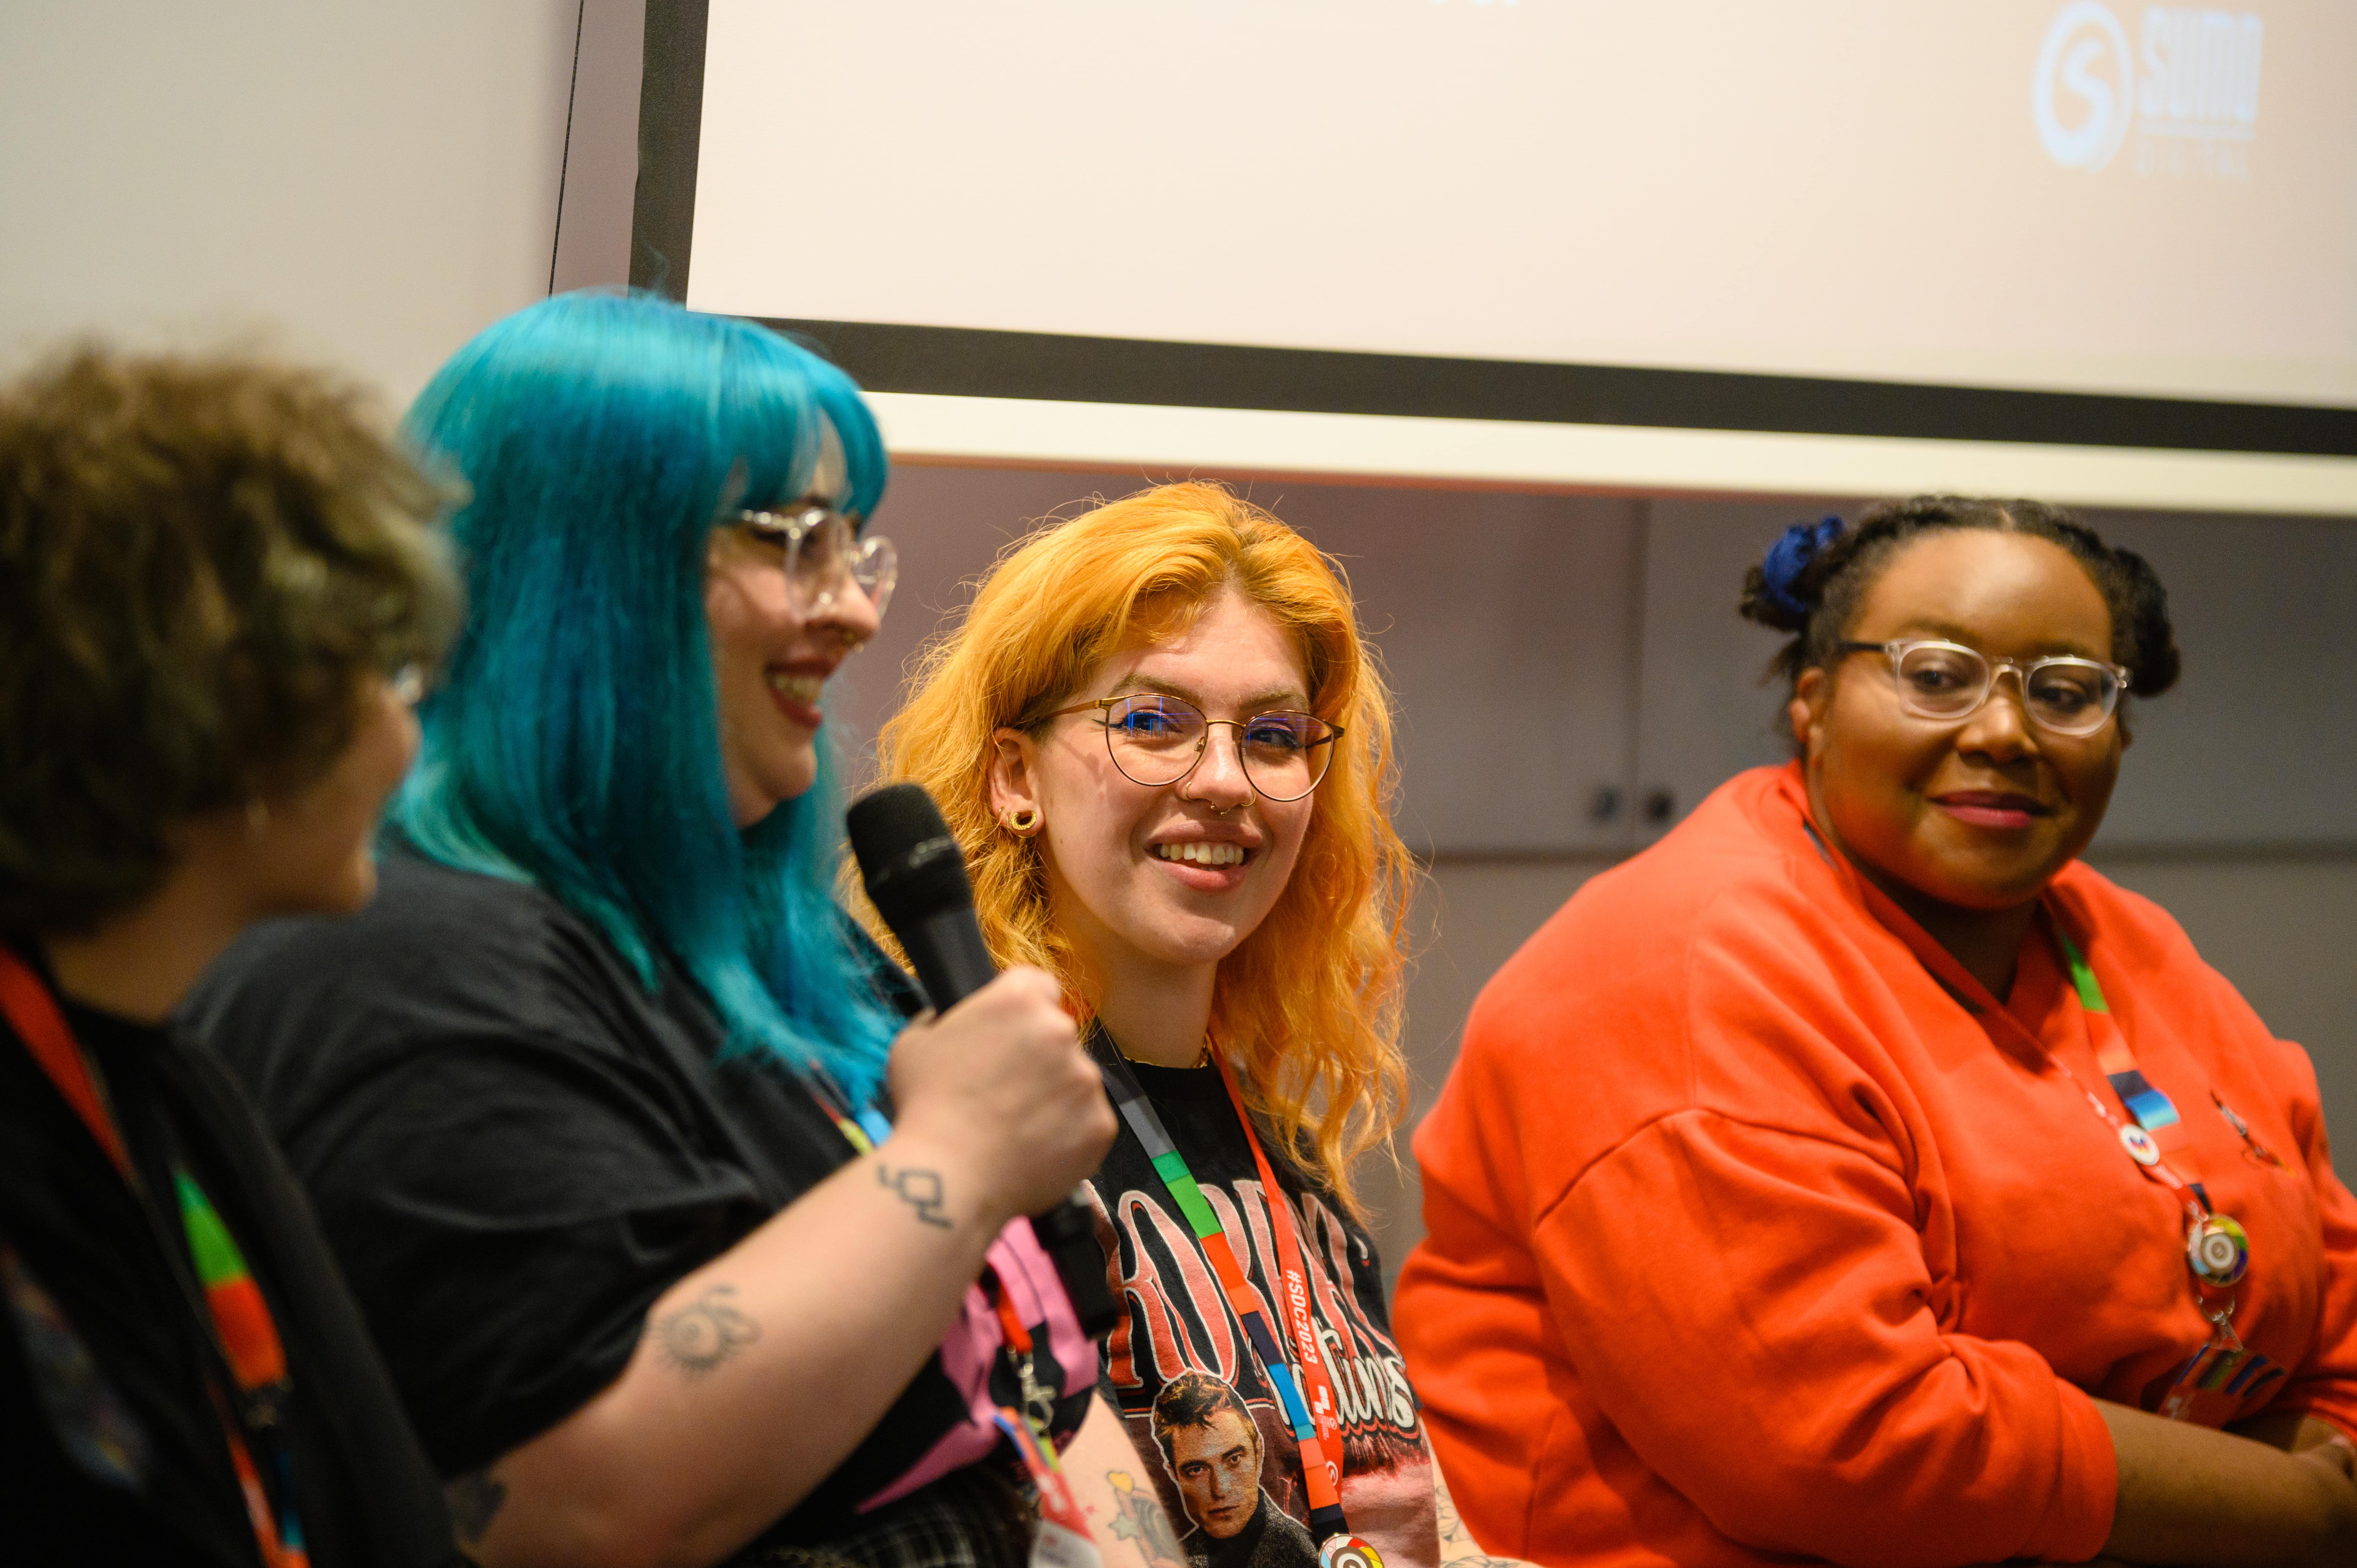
516,1149
1178,1324
111,1447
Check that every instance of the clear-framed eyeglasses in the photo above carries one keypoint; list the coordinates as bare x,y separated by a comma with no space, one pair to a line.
823,550
1156,740
1948,682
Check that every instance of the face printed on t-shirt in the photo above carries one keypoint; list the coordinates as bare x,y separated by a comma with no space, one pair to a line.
1177,1358
1216,1463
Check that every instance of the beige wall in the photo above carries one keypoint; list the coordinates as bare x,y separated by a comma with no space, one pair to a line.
362,186
2284,930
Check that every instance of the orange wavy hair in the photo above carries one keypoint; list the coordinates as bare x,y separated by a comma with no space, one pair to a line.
1308,1007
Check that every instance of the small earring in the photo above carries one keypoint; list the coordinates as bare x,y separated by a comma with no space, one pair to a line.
1023,823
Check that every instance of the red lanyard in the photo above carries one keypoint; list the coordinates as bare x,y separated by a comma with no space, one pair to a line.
242,1327
1063,1538
1304,1388
34,1015
1293,1263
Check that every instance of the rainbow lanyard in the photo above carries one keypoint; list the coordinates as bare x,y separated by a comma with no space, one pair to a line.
863,1130
1307,1391
244,1331
1063,1538
2221,1371
2217,1250
2156,1135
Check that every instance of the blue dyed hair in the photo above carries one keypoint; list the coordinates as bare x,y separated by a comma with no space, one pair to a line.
574,742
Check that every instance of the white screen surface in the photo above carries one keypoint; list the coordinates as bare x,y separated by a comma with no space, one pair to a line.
2080,197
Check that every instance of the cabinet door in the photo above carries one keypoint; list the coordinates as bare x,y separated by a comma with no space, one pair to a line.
1505,624
2257,744
1704,712
947,525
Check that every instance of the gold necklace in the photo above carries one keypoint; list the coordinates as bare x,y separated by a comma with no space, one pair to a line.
1203,1058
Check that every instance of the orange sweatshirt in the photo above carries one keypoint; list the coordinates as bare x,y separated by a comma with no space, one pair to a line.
1751,1238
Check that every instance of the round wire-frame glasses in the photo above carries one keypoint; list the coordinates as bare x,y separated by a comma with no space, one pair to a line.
1157,741
823,550
1947,682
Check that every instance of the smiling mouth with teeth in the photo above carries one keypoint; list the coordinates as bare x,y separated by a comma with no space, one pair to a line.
1202,853
800,688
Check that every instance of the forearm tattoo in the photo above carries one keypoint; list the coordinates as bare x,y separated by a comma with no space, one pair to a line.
1139,1516
474,1500
920,1189
1458,1547
706,1332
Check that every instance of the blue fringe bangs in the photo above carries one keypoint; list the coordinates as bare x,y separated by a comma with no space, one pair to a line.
573,742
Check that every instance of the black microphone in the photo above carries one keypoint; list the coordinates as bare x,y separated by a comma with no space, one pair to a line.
915,874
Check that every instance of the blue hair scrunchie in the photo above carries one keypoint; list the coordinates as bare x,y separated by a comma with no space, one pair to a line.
1780,571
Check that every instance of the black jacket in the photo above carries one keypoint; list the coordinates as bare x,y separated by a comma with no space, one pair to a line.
110,1448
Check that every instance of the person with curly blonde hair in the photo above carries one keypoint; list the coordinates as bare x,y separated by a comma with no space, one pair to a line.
1167,754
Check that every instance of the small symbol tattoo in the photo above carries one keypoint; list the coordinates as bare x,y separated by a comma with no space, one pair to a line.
920,1190
699,1337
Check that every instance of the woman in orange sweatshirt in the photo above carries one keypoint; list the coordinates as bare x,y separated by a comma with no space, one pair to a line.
1854,1176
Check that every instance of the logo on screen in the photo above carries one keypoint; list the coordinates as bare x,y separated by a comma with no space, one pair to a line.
2085,94
2190,90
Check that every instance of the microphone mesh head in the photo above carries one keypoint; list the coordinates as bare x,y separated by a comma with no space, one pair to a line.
909,862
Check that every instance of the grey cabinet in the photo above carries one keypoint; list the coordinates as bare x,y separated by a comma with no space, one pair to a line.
1572,677
2255,749
947,525
1705,712
1506,627
2256,746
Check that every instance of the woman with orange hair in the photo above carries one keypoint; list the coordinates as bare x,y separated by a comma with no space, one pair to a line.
1166,756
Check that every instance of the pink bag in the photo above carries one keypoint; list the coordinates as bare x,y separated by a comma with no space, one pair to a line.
971,1345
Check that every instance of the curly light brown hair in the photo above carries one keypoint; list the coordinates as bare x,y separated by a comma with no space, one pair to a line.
201,560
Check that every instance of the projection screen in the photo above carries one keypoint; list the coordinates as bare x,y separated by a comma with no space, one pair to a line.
1820,244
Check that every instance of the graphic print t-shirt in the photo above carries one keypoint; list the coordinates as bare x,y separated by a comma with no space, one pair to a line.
1177,1328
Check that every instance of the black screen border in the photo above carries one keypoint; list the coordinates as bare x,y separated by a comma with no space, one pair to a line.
975,362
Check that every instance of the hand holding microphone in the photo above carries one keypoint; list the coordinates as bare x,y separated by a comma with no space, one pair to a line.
1001,1079
1022,1090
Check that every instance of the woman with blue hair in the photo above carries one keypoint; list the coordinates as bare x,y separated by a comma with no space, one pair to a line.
588,1099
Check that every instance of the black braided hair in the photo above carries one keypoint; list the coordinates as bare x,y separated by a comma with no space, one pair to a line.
1816,576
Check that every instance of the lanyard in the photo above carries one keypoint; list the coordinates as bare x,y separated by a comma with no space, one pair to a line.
863,1130
2222,1375
2216,1249
1310,1409
1063,1538
243,1333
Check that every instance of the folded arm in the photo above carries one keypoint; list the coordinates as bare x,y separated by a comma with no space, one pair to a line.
2189,1495
1780,1366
